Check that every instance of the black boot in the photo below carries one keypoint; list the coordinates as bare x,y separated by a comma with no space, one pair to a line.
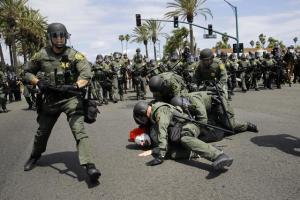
252,127
92,172
31,163
222,161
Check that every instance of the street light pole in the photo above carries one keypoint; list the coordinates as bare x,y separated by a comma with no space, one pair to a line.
236,26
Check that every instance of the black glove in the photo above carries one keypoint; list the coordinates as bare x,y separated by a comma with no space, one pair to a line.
155,161
66,88
43,85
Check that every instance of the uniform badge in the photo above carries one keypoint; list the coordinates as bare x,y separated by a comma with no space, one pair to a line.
79,56
222,66
64,65
213,74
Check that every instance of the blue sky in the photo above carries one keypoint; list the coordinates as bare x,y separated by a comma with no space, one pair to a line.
96,24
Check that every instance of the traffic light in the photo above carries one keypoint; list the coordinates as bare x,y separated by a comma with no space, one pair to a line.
241,48
175,21
234,49
210,30
138,20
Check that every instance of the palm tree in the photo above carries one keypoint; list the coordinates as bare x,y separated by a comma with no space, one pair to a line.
188,9
141,35
10,11
121,38
127,38
32,30
262,39
295,40
258,45
2,63
23,28
154,29
176,42
252,43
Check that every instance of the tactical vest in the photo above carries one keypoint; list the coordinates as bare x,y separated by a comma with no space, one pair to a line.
209,73
175,126
173,85
99,73
59,69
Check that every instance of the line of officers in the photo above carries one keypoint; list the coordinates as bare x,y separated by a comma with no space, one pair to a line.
115,75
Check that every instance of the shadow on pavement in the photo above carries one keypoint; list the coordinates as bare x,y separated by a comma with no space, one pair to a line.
72,166
284,142
194,163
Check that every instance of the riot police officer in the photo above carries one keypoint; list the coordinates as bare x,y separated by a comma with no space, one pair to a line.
138,75
65,73
168,129
211,69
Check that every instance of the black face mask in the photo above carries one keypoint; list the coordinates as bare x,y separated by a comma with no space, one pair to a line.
58,34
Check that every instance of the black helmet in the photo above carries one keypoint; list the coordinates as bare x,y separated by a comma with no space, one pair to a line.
180,101
99,58
138,50
140,113
57,29
155,84
206,54
117,55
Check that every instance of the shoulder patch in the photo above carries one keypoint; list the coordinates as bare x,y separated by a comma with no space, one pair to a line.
222,66
79,56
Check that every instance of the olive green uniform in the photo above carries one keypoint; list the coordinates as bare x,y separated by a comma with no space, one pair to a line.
139,81
96,89
204,109
268,65
173,85
77,68
216,71
117,80
244,65
162,117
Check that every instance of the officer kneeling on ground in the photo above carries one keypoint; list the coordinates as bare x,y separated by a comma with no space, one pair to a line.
65,73
167,129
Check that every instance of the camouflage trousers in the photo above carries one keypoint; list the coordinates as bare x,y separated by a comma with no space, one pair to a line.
48,116
189,141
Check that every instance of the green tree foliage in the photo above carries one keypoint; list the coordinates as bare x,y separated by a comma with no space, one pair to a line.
127,38
141,35
224,43
121,38
295,40
272,41
257,45
252,43
187,10
154,29
22,28
177,41
262,40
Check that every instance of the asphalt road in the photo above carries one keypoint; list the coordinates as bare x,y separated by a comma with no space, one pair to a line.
266,165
